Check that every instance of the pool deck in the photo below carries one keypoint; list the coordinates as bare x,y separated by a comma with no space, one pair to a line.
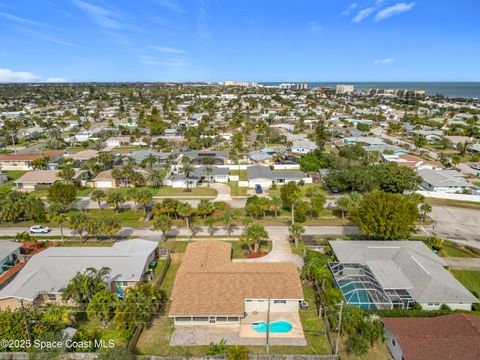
242,334
247,331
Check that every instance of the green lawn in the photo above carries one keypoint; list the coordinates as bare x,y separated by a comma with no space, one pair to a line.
12,176
239,251
103,333
199,191
455,203
237,190
453,251
470,279
241,173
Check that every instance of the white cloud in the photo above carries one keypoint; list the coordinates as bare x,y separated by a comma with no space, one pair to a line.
19,19
11,76
8,75
171,5
386,61
393,10
169,50
347,11
315,26
55,80
102,16
363,14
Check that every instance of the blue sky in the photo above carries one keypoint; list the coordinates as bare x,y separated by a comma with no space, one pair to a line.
250,40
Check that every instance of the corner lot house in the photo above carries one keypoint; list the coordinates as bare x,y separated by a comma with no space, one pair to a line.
47,273
395,274
210,289
449,181
454,336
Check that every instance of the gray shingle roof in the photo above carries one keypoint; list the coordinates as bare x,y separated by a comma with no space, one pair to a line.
264,172
52,269
413,262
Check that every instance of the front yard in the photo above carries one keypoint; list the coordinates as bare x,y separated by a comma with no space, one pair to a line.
470,279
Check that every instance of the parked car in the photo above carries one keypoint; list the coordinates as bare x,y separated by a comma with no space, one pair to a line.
475,166
258,189
39,229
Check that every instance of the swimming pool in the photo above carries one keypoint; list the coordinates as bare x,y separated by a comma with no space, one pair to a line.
280,326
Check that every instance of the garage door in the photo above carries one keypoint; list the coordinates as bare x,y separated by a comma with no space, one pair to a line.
104,184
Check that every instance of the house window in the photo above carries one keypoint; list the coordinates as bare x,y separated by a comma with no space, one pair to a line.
393,342
279,301
200,319
52,297
233,319
248,300
122,284
222,319
183,319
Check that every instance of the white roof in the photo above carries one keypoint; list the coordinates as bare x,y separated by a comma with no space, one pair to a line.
407,265
52,269
7,248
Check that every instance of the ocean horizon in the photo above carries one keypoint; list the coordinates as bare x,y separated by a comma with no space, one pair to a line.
450,89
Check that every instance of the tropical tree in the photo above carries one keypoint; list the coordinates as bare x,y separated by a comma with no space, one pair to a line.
115,199
98,195
78,221
167,206
92,227
296,231
425,208
276,204
55,215
40,164
185,210
205,207
210,222
110,226
187,169
291,195
208,171
84,286
67,173
227,219
61,193
101,306
155,178
253,236
163,223
143,197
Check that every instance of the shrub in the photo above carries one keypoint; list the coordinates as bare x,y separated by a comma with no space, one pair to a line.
357,344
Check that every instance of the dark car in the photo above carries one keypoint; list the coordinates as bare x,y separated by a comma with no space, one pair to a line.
258,189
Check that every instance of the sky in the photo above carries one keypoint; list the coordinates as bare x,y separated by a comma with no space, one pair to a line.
241,40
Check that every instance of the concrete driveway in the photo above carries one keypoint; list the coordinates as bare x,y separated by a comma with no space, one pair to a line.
455,223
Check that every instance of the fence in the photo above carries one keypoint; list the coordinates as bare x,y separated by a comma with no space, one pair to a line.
138,331
291,357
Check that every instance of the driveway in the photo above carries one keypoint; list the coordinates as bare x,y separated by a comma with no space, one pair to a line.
457,224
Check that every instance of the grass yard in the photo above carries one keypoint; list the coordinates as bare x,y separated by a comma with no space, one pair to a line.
470,279
239,251
199,191
242,174
455,203
12,176
103,333
454,251
237,190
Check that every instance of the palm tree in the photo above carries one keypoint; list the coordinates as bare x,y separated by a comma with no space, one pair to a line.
208,170
296,231
98,195
55,215
253,236
185,210
425,208
67,173
227,219
92,227
276,204
85,285
164,224
115,198
77,222
155,178
296,198
210,221
110,226
187,169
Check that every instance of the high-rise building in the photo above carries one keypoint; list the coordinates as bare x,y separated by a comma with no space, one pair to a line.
344,89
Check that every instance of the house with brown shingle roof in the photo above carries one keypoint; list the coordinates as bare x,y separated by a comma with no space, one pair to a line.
454,336
211,289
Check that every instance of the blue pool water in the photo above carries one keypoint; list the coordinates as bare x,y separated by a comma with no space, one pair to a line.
280,326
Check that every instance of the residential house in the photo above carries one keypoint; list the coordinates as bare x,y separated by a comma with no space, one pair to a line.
395,274
367,140
46,274
84,155
18,162
161,158
105,180
450,181
303,146
208,157
211,290
453,336
413,161
265,177
37,179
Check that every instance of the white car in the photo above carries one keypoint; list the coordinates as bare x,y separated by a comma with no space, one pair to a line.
475,166
39,229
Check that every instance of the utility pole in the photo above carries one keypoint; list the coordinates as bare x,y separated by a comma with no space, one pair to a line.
268,326
25,321
339,327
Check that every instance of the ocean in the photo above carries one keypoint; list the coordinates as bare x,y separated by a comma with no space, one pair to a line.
450,89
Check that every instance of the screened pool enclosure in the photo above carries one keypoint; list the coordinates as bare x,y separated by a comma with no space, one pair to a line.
361,288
